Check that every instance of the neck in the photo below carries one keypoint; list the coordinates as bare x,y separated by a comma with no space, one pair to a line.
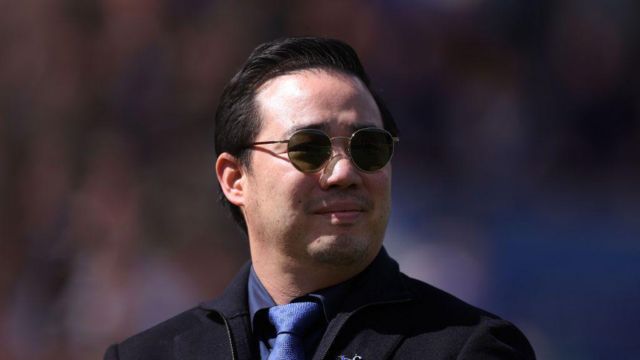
286,279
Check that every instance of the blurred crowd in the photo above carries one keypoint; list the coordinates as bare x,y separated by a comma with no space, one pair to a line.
515,182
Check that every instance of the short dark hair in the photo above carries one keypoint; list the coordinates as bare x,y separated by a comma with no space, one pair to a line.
237,122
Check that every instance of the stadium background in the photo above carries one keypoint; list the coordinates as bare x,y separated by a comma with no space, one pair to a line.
515,181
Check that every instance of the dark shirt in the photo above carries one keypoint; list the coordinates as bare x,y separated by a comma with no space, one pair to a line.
260,301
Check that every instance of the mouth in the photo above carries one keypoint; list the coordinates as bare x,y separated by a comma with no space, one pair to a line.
346,213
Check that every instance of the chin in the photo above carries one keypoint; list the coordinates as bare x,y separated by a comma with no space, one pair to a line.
340,250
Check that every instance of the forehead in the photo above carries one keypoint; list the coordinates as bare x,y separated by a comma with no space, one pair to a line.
330,100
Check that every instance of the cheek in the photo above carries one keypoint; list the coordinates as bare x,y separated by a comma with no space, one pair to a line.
288,190
379,188
299,193
380,184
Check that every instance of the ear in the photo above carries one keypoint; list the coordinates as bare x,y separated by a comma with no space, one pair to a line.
231,177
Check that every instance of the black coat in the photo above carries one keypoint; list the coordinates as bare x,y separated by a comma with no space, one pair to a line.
387,315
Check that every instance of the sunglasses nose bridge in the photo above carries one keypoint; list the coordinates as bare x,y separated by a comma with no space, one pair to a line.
344,149
337,172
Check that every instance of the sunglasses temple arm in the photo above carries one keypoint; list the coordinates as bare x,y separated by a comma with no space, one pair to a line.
269,142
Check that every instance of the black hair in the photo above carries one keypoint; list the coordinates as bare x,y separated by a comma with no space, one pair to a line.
237,121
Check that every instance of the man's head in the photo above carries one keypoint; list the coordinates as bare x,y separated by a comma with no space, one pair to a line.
333,214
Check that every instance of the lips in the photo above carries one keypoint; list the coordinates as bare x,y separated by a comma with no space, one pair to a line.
345,207
343,214
339,204
342,211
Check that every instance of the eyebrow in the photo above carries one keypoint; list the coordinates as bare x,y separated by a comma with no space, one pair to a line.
325,127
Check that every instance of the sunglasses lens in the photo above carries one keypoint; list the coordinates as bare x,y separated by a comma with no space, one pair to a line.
309,150
371,149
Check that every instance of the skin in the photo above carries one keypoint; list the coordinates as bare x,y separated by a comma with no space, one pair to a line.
308,231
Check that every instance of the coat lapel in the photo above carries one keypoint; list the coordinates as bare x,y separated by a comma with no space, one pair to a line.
369,345
352,333
226,318
203,343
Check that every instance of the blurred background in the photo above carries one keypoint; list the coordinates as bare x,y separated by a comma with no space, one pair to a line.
515,181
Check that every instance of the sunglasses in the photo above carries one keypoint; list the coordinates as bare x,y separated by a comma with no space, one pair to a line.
309,150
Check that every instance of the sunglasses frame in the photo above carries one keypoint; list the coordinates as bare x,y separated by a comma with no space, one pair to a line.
394,140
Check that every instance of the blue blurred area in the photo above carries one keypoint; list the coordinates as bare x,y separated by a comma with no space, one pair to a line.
515,182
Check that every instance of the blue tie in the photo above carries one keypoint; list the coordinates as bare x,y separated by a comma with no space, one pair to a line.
291,322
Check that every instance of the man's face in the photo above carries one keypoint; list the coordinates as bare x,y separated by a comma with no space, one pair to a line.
335,216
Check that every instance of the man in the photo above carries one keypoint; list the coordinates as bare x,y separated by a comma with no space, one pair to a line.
303,148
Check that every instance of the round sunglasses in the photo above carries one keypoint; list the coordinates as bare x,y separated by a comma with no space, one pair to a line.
309,150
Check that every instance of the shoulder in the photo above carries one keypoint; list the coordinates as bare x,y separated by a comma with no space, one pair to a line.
445,321
165,340
200,332
440,305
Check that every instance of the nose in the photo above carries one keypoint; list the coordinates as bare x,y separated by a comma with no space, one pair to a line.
340,172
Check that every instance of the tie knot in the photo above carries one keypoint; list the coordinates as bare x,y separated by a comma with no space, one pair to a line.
295,317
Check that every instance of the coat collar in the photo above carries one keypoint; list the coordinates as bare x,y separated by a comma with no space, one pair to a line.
233,310
380,283
233,301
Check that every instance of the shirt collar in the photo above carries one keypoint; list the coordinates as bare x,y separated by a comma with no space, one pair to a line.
330,298
259,298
